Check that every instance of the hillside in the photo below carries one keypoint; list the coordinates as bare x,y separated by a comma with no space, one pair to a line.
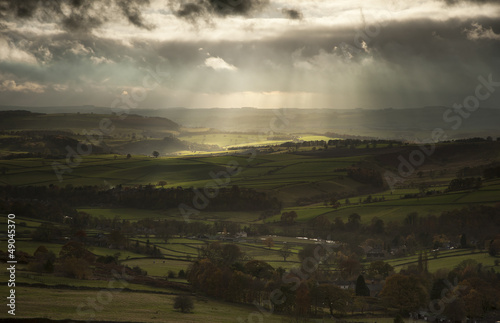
49,135
391,123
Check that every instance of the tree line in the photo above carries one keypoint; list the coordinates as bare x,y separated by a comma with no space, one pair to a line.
142,197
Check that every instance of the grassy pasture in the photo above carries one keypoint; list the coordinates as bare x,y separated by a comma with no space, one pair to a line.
51,280
395,209
127,306
30,247
185,171
447,259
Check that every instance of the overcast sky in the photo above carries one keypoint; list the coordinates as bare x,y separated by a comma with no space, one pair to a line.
259,53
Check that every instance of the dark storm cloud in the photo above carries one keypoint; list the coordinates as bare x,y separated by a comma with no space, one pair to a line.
191,12
413,61
206,8
81,22
292,14
236,7
21,9
132,10
84,15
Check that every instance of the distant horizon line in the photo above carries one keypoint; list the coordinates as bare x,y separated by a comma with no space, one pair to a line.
20,107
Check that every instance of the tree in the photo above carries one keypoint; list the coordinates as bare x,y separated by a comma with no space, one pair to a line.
377,225
379,269
75,249
348,267
269,242
411,219
314,251
183,303
361,288
302,300
117,239
162,183
165,232
222,255
455,310
156,154
399,319
332,296
43,260
420,263
404,292
129,156
75,267
473,303
285,251
463,241
334,203
494,248
288,217
259,269
338,224
321,222
46,232
354,221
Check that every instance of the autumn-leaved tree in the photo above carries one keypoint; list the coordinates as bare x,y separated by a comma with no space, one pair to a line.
269,242
302,300
404,293
348,266
75,260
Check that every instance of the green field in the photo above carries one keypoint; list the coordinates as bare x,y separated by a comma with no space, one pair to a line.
30,246
447,259
394,208
51,280
127,306
287,175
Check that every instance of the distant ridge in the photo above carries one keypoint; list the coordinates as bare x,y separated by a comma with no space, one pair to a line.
390,123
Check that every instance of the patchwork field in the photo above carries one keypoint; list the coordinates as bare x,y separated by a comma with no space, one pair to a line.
305,182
